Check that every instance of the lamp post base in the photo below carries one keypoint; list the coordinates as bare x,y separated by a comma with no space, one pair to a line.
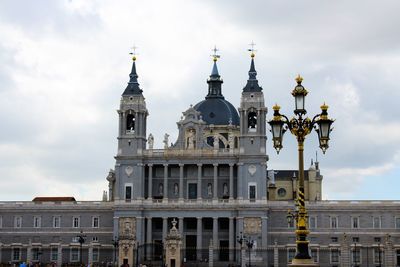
303,263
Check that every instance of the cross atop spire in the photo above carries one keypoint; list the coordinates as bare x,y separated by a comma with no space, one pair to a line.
133,53
251,49
133,84
215,55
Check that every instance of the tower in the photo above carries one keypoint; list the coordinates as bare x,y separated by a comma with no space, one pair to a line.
131,140
253,138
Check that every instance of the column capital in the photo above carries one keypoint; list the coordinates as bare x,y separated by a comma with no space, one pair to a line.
215,164
150,164
149,218
140,164
165,164
199,218
231,164
240,163
181,164
199,164
231,218
215,218
165,218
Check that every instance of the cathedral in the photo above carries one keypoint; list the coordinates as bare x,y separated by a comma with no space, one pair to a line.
212,188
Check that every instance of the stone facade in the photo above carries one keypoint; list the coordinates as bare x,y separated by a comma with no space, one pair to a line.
214,183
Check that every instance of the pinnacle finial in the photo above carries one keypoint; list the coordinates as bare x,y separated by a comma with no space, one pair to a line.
215,56
252,50
133,53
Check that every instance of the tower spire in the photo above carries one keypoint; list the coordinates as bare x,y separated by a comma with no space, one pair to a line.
215,81
252,82
133,84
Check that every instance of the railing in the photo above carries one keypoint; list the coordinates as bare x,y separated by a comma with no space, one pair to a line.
190,152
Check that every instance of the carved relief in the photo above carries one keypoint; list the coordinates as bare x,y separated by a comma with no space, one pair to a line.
252,169
129,170
252,225
127,228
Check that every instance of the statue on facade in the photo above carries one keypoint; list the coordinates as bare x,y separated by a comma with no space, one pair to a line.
150,141
176,189
216,142
225,189
209,189
166,141
190,139
161,189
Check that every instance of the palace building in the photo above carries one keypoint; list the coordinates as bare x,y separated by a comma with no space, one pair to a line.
214,183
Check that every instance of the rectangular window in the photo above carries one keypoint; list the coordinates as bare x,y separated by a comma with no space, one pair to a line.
16,254
377,239
398,257
95,255
252,192
74,254
95,239
37,221
334,239
75,222
356,256
335,255
397,222
54,254
376,222
312,220
314,255
378,256
56,221
334,222
17,222
356,239
355,222
95,222
35,254
128,192
291,253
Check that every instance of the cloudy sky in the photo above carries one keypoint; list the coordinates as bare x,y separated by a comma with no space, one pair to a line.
64,65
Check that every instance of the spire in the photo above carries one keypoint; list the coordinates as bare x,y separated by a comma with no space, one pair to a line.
252,82
215,81
133,84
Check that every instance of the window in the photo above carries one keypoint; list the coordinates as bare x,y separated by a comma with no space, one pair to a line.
75,222
16,254
376,222
312,220
252,191
54,254
314,254
128,192
74,257
356,256
95,239
252,121
37,221
355,222
377,239
95,222
17,222
334,222
35,254
378,255
95,255
130,123
398,257
397,222
281,192
335,255
291,253
356,239
56,221
334,239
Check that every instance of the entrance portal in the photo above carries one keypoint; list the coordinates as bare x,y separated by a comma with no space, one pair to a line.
191,247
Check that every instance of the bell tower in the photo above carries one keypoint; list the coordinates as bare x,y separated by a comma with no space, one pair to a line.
132,118
252,152
129,168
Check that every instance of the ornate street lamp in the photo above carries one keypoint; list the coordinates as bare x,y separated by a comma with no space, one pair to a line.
243,240
300,127
81,239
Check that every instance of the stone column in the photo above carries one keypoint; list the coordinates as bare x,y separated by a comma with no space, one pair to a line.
180,226
215,235
389,253
165,193
199,240
215,183
181,166
59,255
231,238
149,236
150,184
211,254
276,254
231,181
139,230
240,181
164,228
28,253
264,237
90,254
199,173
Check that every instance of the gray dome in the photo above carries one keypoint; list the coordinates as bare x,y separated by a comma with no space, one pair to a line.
218,111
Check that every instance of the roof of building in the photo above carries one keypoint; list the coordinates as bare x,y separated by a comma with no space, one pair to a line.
133,84
53,199
215,109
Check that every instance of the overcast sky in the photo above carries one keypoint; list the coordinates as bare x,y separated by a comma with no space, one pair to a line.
64,65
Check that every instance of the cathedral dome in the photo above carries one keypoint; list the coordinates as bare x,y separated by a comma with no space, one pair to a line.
218,111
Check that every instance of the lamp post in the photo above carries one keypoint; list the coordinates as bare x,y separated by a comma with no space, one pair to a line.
355,258
115,243
243,240
81,239
379,251
300,126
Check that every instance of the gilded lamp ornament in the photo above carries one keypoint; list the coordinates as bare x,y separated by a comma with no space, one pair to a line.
300,126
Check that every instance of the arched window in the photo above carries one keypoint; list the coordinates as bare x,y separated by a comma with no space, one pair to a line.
130,123
252,121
